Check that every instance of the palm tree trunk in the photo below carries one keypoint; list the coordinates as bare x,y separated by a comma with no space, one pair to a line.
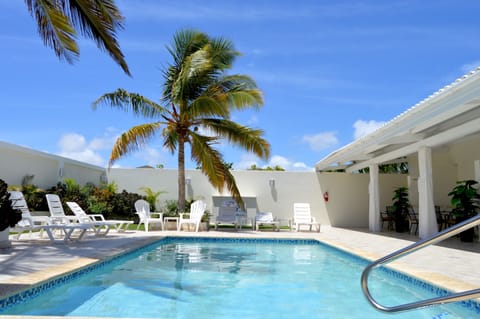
181,175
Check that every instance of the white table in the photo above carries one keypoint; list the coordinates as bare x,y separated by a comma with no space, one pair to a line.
171,219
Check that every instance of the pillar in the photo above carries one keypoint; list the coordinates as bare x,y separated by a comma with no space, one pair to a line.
374,200
427,219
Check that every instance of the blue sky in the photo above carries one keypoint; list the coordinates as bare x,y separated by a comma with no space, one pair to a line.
330,71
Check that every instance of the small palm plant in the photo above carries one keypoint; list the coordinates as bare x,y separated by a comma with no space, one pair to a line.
151,196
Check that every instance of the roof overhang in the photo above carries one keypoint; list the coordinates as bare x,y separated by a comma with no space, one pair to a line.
450,114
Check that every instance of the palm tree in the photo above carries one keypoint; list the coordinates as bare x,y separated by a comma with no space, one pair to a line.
58,20
198,96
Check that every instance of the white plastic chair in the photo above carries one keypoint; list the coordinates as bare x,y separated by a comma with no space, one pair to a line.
303,217
142,208
119,225
197,209
227,215
266,218
28,223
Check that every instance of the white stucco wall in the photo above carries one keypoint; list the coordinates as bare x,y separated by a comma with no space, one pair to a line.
464,154
17,161
348,193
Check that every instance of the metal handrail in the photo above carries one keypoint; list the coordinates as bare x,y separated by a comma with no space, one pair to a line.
447,233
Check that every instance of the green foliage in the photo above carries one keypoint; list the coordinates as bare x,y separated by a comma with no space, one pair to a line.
400,200
152,197
9,217
100,202
465,199
34,196
254,167
123,204
97,200
392,168
400,205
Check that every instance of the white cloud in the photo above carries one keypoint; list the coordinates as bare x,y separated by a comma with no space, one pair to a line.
150,156
363,128
321,141
248,160
75,146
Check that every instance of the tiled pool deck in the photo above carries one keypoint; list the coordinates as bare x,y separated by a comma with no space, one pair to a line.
453,265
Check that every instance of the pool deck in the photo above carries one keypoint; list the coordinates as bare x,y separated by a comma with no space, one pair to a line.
453,265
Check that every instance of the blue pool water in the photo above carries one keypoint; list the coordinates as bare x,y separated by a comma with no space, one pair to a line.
211,278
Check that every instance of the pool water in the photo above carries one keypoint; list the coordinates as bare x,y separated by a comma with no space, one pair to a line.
201,278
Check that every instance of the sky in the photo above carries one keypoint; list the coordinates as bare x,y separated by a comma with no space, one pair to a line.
330,72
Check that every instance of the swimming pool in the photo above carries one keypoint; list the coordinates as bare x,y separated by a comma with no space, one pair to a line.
229,278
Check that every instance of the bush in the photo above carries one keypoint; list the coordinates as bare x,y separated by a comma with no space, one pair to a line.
9,217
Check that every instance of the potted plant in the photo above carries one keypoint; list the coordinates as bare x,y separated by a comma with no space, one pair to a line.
9,217
400,209
465,202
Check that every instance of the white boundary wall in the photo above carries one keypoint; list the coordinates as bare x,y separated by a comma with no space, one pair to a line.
347,205
348,197
48,169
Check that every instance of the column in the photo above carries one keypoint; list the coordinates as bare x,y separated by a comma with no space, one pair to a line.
427,220
374,200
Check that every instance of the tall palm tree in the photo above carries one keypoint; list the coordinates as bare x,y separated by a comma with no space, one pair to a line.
198,96
58,20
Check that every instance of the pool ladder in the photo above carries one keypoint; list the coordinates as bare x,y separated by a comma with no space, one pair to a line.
453,297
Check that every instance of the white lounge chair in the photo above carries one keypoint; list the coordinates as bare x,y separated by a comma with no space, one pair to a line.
119,225
195,217
43,223
227,215
303,217
58,217
142,208
266,218
28,222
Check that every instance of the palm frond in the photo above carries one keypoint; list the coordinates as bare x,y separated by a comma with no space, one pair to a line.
244,137
54,28
99,20
136,103
132,140
212,165
208,158
170,139
236,91
223,53
206,106
58,20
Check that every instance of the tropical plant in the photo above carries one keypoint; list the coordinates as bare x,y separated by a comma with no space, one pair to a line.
151,196
59,20
199,97
400,206
465,199
34,196
9,217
